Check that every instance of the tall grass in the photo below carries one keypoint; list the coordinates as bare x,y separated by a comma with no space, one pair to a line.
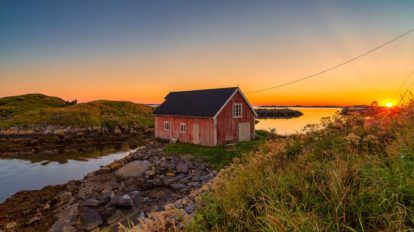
38,109
356,174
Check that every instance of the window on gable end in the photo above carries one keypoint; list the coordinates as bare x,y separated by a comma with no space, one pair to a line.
237,110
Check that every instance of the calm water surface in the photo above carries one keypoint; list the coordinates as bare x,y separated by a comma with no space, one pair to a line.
294,125
17,174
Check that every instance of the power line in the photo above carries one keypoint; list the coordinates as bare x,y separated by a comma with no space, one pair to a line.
408,88
402,85
336,66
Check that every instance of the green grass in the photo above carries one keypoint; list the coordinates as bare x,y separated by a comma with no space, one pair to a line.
219,156
354,175
38,109
17,105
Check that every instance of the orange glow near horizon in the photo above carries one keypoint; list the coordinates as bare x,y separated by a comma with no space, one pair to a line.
147,78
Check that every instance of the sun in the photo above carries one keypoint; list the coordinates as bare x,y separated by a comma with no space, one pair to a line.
389,104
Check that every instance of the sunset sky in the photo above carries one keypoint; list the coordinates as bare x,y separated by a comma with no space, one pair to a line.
141,50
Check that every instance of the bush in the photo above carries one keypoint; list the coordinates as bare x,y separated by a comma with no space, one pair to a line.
352,175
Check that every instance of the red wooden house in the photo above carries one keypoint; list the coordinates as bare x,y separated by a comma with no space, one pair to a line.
208,117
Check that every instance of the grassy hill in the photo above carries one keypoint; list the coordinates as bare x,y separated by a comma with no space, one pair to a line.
354,175
39,109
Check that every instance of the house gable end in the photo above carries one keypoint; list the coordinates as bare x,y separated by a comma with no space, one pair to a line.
231,97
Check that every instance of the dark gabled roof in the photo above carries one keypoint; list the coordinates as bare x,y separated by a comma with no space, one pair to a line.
199,103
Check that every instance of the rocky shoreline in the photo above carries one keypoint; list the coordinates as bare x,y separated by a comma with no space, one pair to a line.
126,191
55,140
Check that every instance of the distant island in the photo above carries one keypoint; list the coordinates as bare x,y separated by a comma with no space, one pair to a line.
301,106
278,113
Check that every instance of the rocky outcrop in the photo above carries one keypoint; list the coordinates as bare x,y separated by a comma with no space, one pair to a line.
177,215
34,210
129,189
51,140
278,113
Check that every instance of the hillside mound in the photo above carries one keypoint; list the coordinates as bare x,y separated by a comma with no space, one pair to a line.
40,110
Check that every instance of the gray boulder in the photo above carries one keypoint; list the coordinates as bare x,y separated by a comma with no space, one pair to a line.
190,208
90,203
89,218
118,215
65,218
165,165
107,195
122,201
178,186
135,168
194,184
182,167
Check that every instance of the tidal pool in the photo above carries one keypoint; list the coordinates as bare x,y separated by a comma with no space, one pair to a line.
21,174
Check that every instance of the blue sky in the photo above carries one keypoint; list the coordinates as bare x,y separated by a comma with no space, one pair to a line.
222,35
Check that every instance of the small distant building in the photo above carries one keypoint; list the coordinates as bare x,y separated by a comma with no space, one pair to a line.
208,117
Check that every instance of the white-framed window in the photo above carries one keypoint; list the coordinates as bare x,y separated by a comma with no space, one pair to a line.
183,127
237,110
166,125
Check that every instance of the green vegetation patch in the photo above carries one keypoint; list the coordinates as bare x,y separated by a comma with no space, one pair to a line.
354,175
38,109
218,156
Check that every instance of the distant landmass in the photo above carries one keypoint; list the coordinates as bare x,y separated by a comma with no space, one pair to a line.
278,113
153,105
302,106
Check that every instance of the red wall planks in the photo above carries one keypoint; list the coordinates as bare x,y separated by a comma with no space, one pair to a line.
226,131
206,129
227,126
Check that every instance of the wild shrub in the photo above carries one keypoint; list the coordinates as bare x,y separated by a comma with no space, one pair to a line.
355,174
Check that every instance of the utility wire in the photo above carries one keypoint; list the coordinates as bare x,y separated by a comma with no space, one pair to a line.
402,85
336,66
408,88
